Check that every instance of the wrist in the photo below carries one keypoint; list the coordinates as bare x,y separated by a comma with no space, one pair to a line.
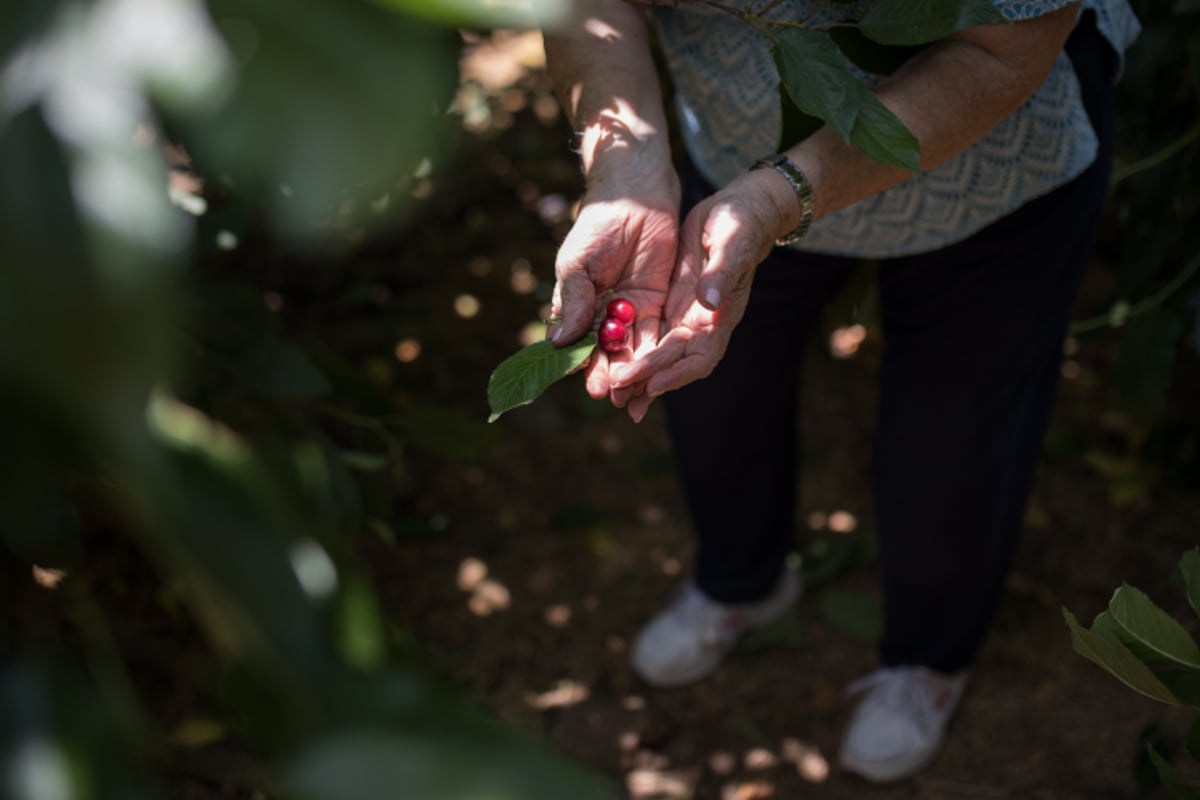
787,188
622,140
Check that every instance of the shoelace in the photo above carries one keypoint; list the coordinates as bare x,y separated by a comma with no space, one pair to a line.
908,691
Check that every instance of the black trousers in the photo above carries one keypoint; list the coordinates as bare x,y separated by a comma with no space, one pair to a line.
974,335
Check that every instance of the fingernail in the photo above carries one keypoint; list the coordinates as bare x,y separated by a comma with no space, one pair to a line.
713,298
557,333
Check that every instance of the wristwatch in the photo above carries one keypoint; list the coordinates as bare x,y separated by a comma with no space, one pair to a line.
804,192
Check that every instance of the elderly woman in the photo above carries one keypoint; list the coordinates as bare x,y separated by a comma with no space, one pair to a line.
979,259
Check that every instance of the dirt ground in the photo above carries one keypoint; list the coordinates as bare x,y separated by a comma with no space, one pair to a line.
570,532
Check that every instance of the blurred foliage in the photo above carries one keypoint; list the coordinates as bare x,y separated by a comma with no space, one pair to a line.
145,398
1155,201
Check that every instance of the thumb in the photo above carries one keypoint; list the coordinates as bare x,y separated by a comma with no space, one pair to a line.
575,304
727,260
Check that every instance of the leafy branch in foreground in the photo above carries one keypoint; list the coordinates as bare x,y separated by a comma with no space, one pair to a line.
815,72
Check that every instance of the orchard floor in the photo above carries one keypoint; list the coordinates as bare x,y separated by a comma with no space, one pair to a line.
554,546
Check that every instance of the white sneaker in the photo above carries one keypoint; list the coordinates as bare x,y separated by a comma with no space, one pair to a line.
687,640
900,722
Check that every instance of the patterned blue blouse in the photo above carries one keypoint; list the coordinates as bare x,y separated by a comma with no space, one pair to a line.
727,96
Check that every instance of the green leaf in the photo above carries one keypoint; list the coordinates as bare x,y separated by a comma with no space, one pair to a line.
280,369
1173,779
436,763
524,375
1118,661
1105,625
1153,627
817,79
880,134
853,614
363,461
912,22
1184,683
1189,565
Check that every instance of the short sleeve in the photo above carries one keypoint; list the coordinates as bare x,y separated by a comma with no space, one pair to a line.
1016,10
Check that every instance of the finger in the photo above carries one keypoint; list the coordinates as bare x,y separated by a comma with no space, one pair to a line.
691,367
638,407
670,349
575,307
596,379
729,256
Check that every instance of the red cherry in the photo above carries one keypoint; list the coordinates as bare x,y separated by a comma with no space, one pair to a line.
621,309
612,335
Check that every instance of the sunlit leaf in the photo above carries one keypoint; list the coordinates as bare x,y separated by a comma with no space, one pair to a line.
1153,627
913,22
361,633
522,377
1118,661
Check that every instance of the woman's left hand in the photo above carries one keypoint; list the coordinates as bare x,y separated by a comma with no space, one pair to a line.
721,243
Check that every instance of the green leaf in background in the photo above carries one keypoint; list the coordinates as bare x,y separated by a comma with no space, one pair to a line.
439,763
912,22
1118,661
853,614
1153,627
524,375
1173,779
1146,362
1189,565
1105,625
281,369
816,77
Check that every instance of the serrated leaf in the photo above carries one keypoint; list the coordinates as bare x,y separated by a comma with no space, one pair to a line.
1118,661
1147,623
816,77
1189,565
912,22
522,377
880,134
1173,779
853,614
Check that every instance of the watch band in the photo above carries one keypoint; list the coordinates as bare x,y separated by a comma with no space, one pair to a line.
804,192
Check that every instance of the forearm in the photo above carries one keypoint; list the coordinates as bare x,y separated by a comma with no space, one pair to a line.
605,78
949,96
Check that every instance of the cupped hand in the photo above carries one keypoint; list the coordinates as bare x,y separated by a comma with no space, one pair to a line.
721,243
623,243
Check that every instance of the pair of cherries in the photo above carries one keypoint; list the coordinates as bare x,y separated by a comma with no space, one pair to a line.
614,330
